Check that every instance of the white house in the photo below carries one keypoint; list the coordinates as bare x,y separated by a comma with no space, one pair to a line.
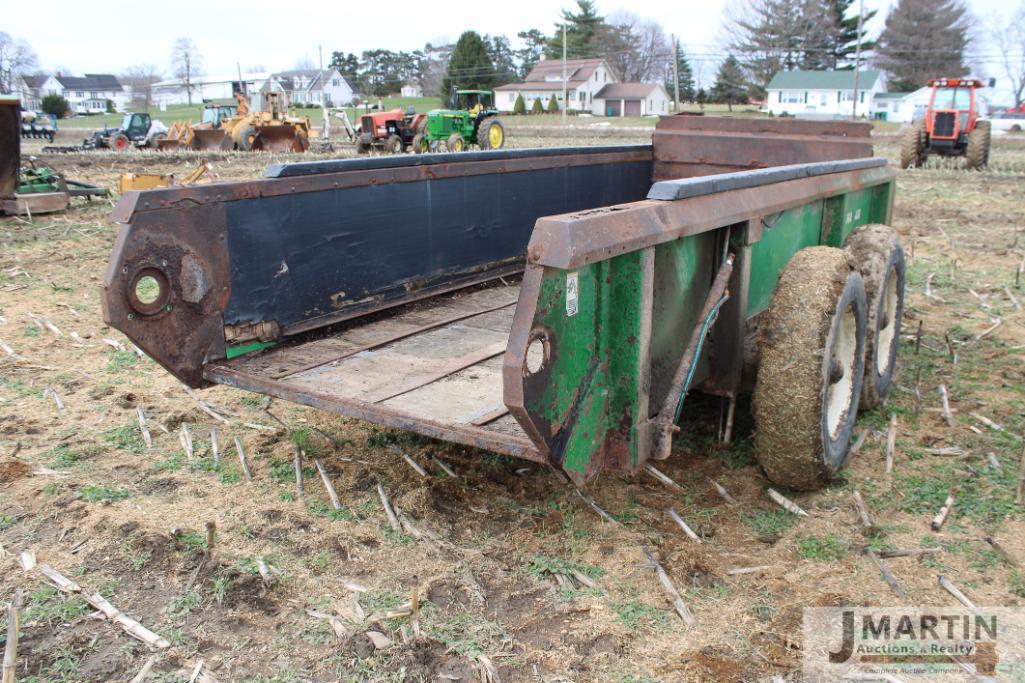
631,99
412,90
823,94
86,94
311,86
27,89
210,88
584,78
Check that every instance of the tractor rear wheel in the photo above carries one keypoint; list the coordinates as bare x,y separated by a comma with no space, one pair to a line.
119,142
420,144
455,143
364,143
393,145
878,255
977,150
491,134
812,364
912,145
246,139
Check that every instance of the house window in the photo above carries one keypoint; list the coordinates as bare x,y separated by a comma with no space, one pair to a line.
94,94
791,97
861,97
334,82
846,96
79,94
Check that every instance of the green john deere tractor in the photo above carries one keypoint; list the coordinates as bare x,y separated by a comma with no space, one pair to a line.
472,120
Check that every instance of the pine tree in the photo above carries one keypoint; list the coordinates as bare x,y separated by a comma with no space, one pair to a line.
686,77
583,31
845,39
701,97
470,67
537,107
553,105
518,106
923,39
769,37
729,83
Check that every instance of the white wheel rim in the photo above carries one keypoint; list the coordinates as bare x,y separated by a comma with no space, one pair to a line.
888,333
843,353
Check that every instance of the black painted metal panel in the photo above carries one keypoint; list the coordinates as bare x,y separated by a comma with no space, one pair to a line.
315,254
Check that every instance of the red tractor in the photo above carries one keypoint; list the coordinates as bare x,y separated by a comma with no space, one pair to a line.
389,131
952,126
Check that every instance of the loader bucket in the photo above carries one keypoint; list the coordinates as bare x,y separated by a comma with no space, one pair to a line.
281,138
211,139
165,145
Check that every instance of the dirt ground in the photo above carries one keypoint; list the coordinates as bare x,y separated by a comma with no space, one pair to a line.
497,589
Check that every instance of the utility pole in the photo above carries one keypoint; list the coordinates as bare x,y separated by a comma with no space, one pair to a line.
565,94
676,79
857,59
326,123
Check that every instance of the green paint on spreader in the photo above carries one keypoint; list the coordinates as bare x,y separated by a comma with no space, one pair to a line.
243,349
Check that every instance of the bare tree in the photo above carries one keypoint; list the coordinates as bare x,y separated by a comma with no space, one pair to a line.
635,48
141,78
16,58
186,62
767,36
1009,37
304,63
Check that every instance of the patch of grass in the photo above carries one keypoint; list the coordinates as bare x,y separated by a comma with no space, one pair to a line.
541,565
31,331
6,521
635,615
229,477
1016,582
172,462
322,509
382,600
120,360
466,634
62,456
91,493
284,471
125,438
320,561
770,524
303,438
184,604
192,540
50,605
828,548
139,560
252,400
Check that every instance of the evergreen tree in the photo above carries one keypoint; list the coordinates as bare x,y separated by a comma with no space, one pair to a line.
729,86
845,39
583,32
701,97
529,55
537,107
519,107
553,105
923,39
470,67
503,58
686,77
769,37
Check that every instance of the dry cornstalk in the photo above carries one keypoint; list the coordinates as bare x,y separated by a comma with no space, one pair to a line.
721,490
928,288
683,525
393,521
204,406
982,300
444,466
56,399
1019,496
594,506
211,537
948,505
667,584
412,463
185,436
988,422
341,632
949,586
10,667
215,448
887,575
298,473
786,503
1012,298
891,443
265,575
242,459
737,571
650,469
335,502
947,450
868,527
947,415
144,671
143,428
908,552
584,579
1002,552
7,349
986,332
414,603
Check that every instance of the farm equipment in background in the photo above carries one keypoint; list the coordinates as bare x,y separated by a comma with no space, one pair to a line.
185,135
273,130
473,120
952,126
37,125
389,131
150,181
137,128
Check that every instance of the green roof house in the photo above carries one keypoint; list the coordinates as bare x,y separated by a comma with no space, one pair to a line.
824,94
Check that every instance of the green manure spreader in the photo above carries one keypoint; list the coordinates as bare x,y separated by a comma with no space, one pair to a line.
557,305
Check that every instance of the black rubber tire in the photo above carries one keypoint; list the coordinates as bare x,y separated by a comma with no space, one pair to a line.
912,145
419,144
246,139
119,142
977,150
154,142
484,133
879,257
455,143
817,313
364,143
393,145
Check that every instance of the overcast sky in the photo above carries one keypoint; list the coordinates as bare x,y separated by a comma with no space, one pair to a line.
86,37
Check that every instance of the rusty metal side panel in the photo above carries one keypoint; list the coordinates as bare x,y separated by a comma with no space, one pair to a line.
691,146
10,146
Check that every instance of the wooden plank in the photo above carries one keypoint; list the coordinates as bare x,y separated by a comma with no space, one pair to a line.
451,366
462,397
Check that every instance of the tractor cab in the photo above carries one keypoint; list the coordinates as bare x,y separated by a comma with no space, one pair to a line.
475,101
216,114
953,110
135,125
